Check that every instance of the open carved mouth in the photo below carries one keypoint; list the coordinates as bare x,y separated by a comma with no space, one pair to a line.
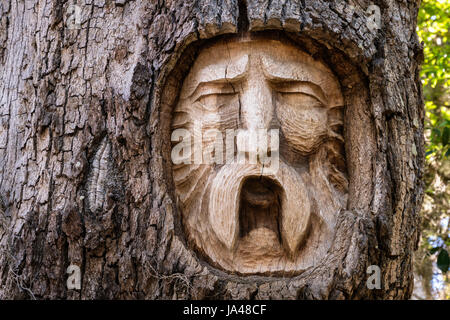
260,211
259,216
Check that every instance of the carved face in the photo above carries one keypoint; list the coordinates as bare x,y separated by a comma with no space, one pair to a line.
260,217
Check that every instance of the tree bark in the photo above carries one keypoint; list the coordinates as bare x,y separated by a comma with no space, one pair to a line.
83,166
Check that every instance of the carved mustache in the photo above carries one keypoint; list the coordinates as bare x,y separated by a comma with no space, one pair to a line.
224,201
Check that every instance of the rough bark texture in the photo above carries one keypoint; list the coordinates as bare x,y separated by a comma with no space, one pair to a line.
84,179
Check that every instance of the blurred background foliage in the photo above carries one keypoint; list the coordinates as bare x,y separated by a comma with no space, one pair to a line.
431,263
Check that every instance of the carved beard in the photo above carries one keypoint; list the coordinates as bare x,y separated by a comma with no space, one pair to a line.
251,223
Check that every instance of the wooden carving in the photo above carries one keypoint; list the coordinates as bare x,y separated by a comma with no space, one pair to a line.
268,205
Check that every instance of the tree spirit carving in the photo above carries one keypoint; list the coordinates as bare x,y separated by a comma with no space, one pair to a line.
87,179
275,214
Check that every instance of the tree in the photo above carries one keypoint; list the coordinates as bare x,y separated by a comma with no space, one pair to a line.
85,179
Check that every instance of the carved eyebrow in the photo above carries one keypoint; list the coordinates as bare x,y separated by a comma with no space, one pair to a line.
286,85
312,79
229,71
218,86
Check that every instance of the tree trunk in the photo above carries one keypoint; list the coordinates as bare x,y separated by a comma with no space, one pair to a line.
84,176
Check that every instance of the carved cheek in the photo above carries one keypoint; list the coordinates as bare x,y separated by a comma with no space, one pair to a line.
304,126
216,111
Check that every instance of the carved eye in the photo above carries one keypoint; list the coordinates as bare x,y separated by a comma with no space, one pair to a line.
214,101
299,99
212,96
300,94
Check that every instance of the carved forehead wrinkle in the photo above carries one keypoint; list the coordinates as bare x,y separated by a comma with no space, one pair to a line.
213,64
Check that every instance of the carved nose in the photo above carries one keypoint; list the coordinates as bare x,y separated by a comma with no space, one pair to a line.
256,104
256,113
257,146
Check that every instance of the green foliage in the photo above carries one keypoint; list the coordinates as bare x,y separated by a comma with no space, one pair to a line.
443,260
433,30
